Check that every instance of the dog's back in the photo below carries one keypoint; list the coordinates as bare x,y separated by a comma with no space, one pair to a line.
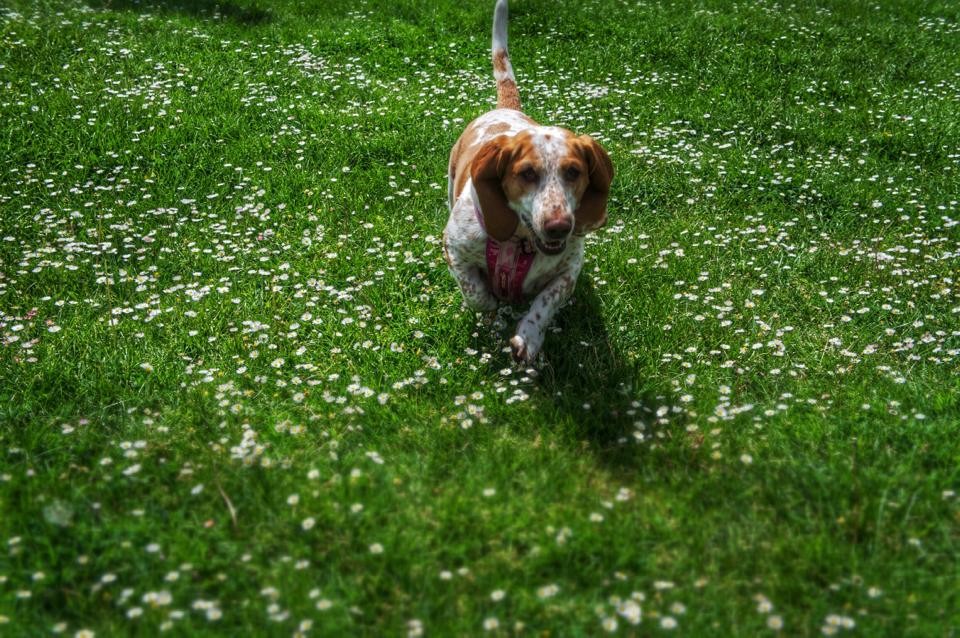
506,119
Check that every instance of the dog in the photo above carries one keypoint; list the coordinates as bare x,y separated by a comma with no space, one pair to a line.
522,197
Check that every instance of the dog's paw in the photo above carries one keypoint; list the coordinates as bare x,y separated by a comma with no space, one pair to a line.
527,342
518,348
524,350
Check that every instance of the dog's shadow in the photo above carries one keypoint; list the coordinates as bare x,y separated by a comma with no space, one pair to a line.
586,381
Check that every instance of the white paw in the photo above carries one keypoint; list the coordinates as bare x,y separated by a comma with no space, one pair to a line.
525,348
518,348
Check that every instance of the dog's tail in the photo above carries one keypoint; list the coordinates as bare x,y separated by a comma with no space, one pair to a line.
508,97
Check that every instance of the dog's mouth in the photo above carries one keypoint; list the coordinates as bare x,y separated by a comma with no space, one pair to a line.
547,247
554,247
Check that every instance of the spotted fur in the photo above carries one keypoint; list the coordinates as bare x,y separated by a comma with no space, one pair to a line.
542,184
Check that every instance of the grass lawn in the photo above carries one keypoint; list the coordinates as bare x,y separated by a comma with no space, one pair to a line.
239,394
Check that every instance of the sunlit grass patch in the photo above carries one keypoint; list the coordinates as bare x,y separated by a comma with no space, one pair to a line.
240,393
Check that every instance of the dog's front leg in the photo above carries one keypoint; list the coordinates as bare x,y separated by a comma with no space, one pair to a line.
473,285
528,341
463,255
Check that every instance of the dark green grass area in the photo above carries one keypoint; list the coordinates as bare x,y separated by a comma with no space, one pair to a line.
239,393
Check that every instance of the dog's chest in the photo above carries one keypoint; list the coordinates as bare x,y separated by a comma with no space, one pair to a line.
546,268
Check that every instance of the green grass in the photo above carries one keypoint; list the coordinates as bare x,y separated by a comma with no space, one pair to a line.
221,286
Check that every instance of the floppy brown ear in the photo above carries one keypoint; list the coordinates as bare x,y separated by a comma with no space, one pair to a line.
486,171
592,212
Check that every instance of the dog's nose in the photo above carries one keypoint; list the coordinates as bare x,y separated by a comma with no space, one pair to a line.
558,228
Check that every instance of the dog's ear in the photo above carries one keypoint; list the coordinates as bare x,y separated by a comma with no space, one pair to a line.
487,170
592,212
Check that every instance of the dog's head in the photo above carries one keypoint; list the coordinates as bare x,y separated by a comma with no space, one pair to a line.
553,182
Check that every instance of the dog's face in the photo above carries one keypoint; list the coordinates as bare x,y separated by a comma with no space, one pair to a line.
550,181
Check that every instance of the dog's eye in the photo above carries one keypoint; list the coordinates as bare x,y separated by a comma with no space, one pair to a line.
529,175
571,174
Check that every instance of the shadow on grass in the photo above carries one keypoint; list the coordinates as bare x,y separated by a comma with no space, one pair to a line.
241,13
587,381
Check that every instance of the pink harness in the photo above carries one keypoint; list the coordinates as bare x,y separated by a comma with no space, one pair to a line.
508,264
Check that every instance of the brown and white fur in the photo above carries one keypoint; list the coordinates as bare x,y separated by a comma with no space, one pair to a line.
539,183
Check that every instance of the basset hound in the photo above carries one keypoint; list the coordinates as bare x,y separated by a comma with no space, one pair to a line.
522,196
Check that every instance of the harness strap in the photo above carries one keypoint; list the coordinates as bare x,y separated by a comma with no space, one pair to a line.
508,264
